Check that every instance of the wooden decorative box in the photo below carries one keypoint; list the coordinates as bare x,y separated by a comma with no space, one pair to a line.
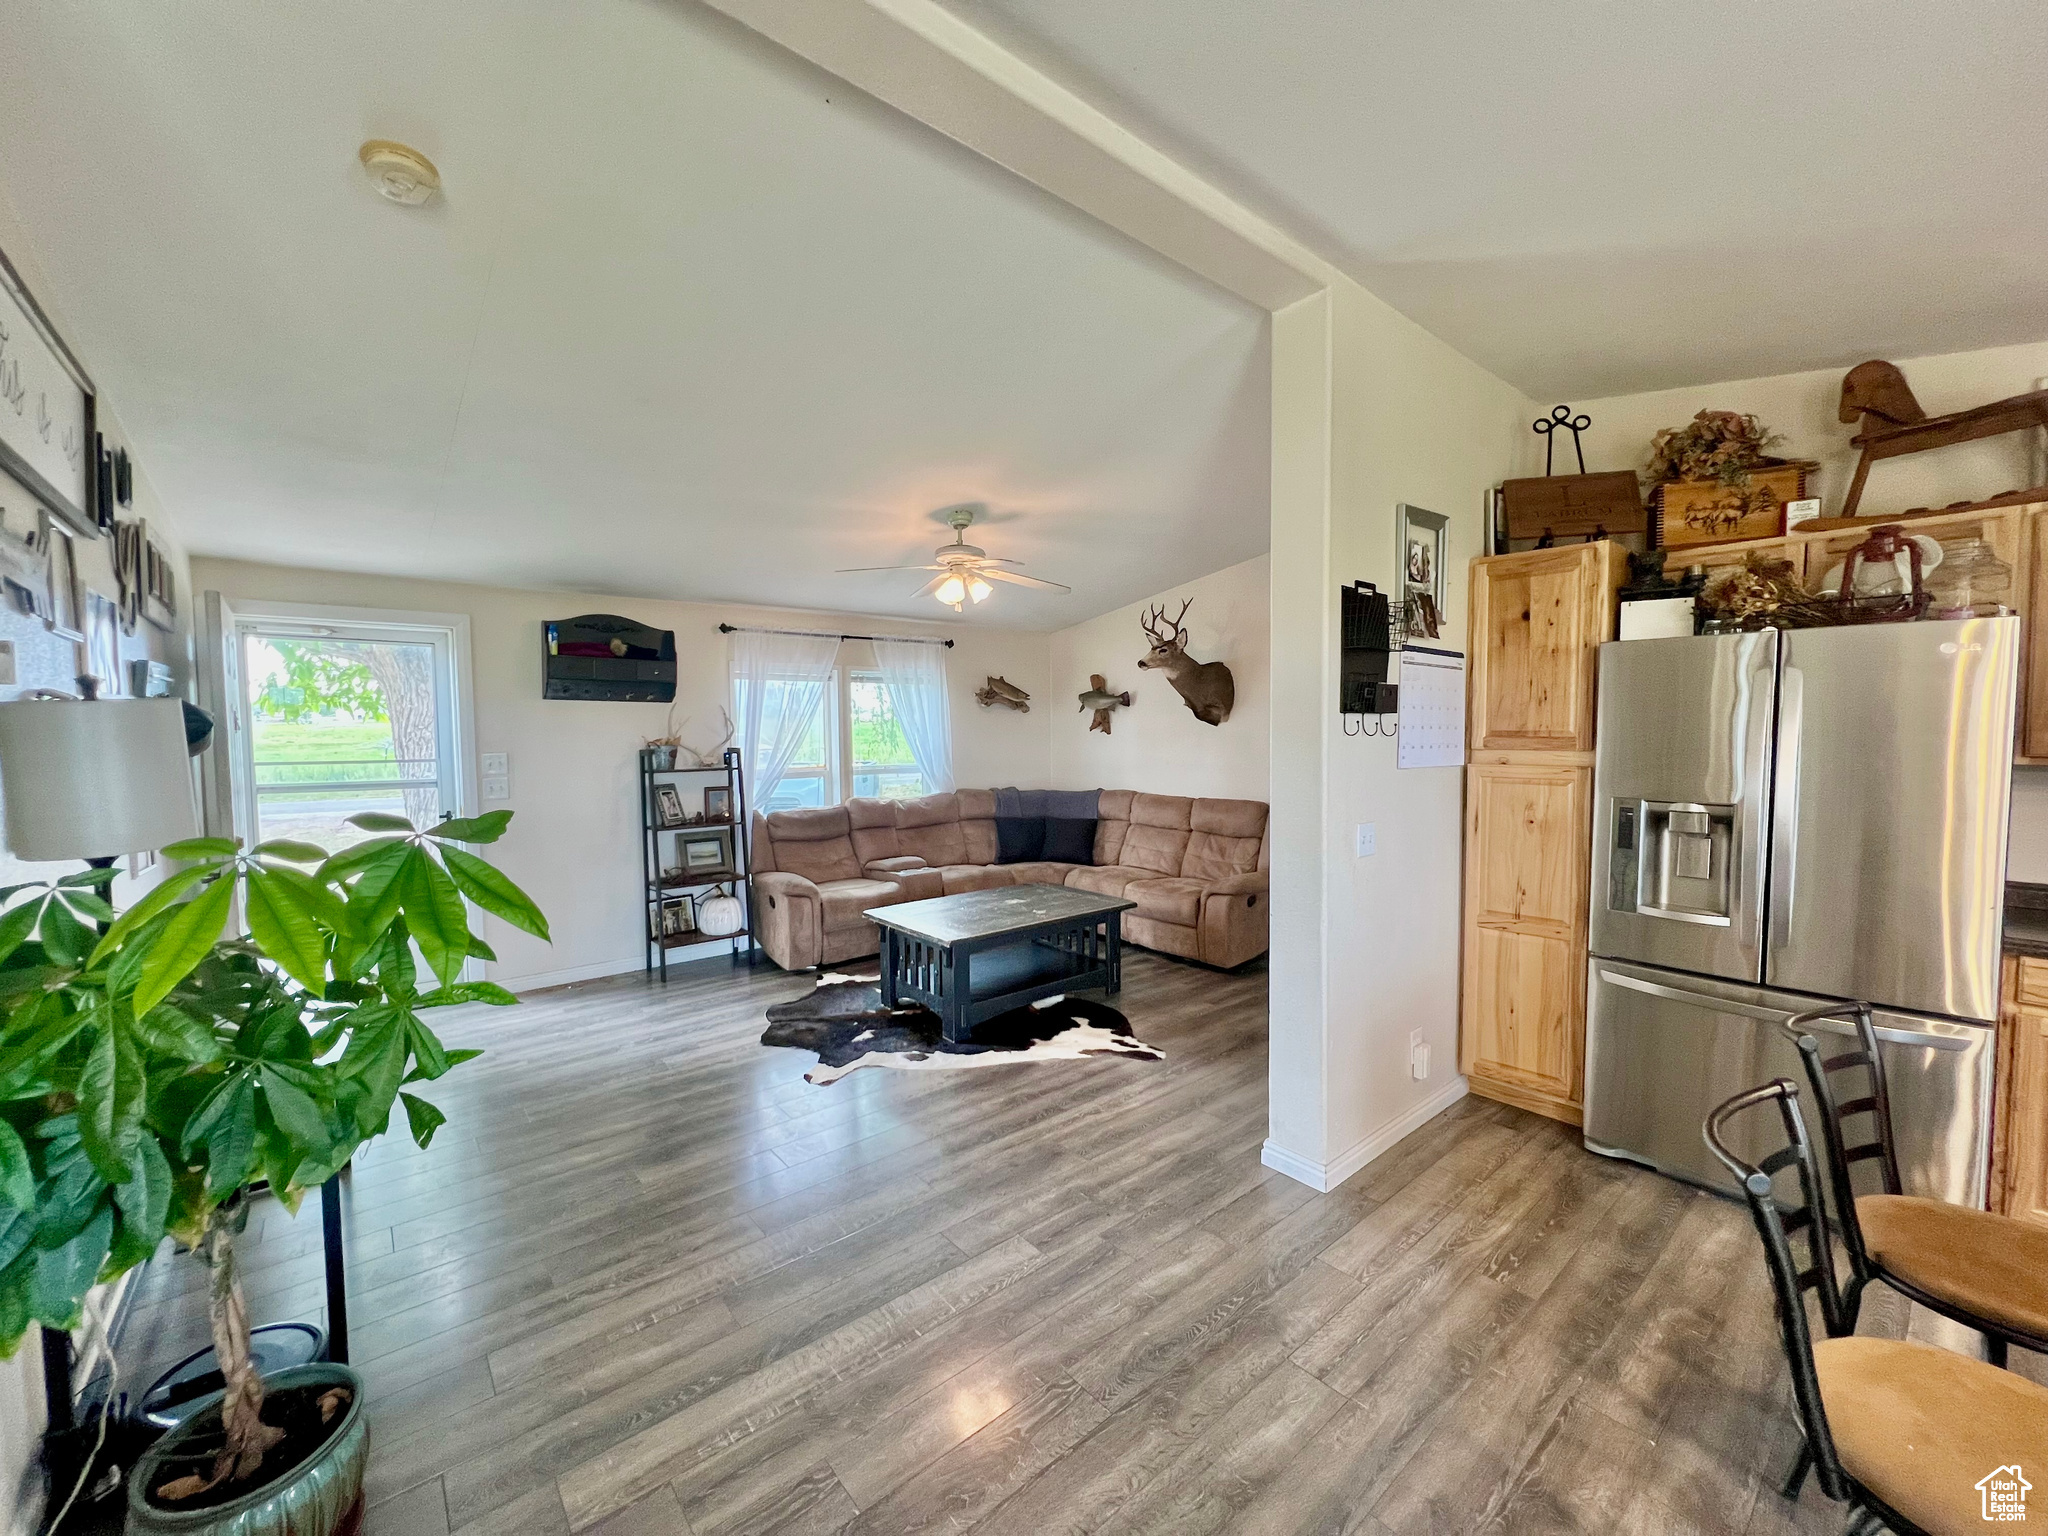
1708,512
1573,506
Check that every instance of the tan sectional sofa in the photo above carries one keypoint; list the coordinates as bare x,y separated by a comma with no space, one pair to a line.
1197,870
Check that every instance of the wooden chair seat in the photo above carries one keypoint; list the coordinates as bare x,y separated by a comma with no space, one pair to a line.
1990,1266
1919,1426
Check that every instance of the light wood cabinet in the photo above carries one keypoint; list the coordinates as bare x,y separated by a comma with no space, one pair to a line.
1538,621
1528,832
1537,624
2033,663
2019,1159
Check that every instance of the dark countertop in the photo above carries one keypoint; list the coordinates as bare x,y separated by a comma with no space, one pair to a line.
2026,919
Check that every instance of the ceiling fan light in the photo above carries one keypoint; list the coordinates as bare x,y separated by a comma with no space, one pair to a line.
978,589
952,591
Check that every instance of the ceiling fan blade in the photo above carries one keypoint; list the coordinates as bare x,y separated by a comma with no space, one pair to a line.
852,570
1023,581
931,586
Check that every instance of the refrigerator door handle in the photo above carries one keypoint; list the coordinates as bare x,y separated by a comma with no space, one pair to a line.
1756,777
1785,806
1955,1042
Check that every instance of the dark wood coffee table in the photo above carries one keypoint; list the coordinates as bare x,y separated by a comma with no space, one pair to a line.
973,956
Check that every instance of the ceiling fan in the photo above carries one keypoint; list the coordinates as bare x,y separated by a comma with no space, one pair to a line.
964,570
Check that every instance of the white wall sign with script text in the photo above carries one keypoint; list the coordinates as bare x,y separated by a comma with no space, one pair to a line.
46,409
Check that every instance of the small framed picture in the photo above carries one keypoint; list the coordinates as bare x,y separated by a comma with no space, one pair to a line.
678,916
66,617
1422,553
103,643
701,853
668,806
718,804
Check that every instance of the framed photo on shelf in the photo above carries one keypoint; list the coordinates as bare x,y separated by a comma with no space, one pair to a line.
718,804
703,851
668,806
678,916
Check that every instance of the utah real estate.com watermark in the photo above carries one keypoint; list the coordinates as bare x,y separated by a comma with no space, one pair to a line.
2005,1495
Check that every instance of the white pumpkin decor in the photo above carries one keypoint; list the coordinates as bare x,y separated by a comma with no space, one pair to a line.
720,914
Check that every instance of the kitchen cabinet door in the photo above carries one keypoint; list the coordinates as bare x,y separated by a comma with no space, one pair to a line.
1527,843
2019,1164
2034,647
1538,621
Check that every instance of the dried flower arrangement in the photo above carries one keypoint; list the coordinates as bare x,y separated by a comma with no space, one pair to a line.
1714,445
1765,592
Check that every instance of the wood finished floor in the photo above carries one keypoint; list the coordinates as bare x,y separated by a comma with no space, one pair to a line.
650,1281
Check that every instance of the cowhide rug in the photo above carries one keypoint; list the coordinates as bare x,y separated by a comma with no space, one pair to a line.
843,1020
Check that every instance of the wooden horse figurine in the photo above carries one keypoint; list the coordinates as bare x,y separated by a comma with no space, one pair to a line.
1876,394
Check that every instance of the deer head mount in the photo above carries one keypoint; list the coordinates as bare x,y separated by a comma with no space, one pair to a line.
1206,687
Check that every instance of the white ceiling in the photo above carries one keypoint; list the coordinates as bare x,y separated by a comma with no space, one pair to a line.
1594,197
691,321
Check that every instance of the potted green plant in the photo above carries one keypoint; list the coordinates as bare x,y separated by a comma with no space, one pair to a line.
154,1065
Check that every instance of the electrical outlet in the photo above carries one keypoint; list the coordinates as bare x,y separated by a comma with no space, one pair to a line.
1418,1055
497,789
1368,839
495,766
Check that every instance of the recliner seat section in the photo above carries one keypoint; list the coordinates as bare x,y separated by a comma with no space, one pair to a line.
1197,869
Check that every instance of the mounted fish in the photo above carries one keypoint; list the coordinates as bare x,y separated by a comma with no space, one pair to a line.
1002,691
1102,701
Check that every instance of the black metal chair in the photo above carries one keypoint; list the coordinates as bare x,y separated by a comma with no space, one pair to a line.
1891,1427
1985,1271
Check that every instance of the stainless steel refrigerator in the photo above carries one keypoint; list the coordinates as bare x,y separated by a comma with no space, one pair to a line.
1783,820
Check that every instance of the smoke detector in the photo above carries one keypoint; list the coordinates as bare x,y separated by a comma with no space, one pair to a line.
401,174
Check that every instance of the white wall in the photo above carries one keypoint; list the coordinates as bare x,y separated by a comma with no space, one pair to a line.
574,841
43,660
1802,406
1157,744
1370,411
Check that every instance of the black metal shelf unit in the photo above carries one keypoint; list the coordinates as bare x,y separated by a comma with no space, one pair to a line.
655,887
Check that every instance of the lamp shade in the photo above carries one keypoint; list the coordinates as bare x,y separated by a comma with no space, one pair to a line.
84,780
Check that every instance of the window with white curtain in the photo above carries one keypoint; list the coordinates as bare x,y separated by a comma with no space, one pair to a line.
878,757
812,777
855,745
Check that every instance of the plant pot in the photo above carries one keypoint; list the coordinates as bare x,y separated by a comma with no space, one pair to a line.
661,759
320,1496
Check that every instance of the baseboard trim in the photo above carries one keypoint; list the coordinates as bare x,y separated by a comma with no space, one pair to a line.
543,979
1324,1177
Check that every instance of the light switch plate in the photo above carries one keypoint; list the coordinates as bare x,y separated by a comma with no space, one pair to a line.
495,765
497,789
1368,838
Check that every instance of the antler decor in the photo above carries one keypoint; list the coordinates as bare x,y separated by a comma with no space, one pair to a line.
713,755
1206,687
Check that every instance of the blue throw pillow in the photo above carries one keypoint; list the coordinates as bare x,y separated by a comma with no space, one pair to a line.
1068,841
1019,839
